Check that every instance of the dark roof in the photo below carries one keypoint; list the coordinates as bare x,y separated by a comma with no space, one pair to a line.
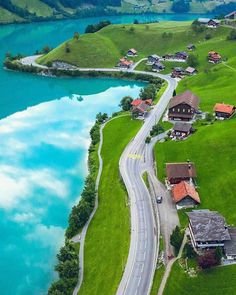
180,170
182,127
158,65
230,246
230,14
178,69
187,97
208,225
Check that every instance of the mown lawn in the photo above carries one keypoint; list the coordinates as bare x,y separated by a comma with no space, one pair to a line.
107,241
213,149
218,281
34,6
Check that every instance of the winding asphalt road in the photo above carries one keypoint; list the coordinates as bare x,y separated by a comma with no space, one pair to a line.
139,271
140,267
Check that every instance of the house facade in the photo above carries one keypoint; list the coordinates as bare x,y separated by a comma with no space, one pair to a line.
152,59
190,71
181,129
132,52
125,63
178,72
210,23
214,57
158,66
231,15
183,107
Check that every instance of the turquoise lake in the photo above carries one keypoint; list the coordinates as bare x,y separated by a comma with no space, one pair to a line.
44,137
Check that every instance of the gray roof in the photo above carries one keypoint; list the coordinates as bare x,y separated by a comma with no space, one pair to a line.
203,20
208,226
190,70
154,56
182,127
230,246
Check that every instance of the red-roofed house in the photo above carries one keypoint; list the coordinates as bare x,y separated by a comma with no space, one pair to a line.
224,110
214,57
140,109
132,52
125,63
185,195
136,102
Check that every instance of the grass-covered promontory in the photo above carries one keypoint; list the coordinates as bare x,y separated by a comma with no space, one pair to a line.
107,240
104,48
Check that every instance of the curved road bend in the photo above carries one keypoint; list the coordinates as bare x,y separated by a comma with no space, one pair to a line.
140,267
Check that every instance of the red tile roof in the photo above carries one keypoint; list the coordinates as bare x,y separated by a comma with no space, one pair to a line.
224,108
126,62
183,190
136,102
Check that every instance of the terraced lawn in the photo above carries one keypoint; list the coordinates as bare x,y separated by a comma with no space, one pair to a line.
107,241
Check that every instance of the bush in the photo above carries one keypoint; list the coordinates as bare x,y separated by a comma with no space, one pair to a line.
188,251
97,27
232,35
125,103
208,36
208,259
193,61
176,239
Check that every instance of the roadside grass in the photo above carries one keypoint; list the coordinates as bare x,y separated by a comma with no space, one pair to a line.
160,92
104,48
145,179
213,149
219,280
108,236
157,280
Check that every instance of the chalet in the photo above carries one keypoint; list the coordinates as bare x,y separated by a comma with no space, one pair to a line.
140,109
231,15
132,52
182,55
138,101
125,63
177,172
208,229
183,106
178,72
190,71
224,111
191,47
185,195
210,23
158,66
214,57
181,129
153,59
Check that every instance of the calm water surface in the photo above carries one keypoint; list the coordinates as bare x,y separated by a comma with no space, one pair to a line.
44,136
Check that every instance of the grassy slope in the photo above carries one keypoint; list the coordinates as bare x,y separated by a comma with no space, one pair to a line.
34,6
104,48
107,241
218,281
8,17
213,149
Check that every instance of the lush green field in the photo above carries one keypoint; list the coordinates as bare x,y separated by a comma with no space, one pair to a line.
104,48
213,149
218,281
8,17
107,240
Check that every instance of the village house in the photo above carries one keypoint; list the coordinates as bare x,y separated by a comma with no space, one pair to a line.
224,111
181,130
183,106
153,59
191,47
214,57
231,15
191,71
230,246
210,23
208,229
178,72
177,172
158,66
125,63
132,52
140,109
181,56
185,195
139,101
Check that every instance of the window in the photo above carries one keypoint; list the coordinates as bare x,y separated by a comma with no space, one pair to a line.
178,110
183,110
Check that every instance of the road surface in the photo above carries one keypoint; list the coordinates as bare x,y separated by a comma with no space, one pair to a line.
140,267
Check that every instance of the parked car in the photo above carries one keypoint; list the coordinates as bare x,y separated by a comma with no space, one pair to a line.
159,199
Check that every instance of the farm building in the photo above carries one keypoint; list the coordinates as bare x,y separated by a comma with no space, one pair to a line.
224,111
177,172
185,195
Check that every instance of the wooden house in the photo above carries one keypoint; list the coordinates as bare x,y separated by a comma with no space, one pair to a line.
191,47
158,66
140,109
125,63
224,111
214,57
190,71
231,15
132,52
152,59
209,22
178,72
181,55
177,172
185,195
181,129
183,106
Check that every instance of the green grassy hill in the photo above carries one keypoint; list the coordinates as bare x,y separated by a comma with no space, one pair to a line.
104,48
